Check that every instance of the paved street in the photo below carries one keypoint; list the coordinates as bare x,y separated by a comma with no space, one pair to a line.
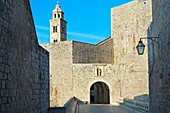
100,109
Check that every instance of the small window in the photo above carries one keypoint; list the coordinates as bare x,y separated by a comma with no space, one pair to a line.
58,15
99,72
55,40
54,15
54,29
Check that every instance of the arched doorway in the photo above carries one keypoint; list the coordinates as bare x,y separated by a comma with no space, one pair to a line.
99,93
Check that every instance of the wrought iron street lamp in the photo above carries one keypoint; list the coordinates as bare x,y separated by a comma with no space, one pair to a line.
141,47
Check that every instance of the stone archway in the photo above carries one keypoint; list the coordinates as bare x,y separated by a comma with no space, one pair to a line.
99,93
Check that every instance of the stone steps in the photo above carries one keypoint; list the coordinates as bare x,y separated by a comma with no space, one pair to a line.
135,106
132,110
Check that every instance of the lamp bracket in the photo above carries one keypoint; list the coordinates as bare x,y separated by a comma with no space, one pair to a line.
150,38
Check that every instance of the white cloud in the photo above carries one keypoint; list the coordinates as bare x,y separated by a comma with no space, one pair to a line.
42,35
42,27
76,34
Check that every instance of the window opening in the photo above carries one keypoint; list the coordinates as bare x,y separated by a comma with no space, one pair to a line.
54,29
54,15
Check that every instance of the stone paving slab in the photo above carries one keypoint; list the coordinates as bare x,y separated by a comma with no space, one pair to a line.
101,109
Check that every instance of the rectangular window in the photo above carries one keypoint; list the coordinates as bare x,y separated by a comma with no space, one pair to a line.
54,29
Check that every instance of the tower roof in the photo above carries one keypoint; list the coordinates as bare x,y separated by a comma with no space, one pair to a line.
57,8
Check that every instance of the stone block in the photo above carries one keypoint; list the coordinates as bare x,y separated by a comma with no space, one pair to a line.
3,76
2,107
3,85
4,100
1,6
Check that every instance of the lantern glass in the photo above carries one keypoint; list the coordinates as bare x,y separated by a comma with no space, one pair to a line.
140,48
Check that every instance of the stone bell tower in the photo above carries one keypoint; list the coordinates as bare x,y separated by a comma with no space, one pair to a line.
58,25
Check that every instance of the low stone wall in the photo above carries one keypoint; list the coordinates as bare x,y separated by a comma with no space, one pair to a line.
69,107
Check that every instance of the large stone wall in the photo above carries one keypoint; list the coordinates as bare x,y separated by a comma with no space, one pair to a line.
24,69
84,53
120,84
106,51
129,23
89,53
62,57
61,80
159,58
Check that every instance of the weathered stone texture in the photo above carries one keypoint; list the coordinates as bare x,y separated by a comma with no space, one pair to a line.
129,23
121,85
24,73
74,65
61,86
84,53
159,58
89,53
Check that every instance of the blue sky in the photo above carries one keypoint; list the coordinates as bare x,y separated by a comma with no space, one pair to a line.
87,20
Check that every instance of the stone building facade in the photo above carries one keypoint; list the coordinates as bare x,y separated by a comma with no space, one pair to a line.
24,65
111,67
159,57
129,23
